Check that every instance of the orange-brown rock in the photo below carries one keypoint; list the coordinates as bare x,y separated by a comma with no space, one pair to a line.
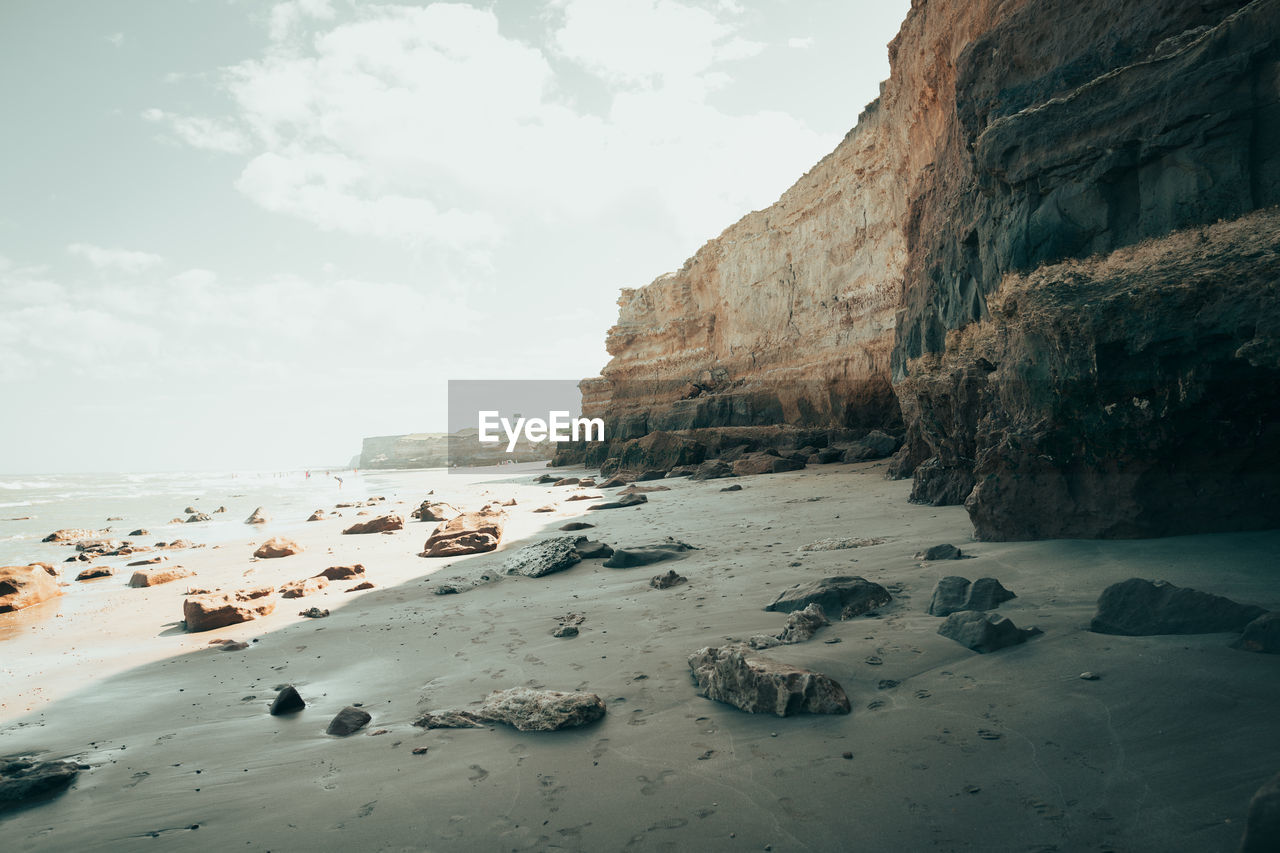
277,546
469,533
23,586
339,573
381,524
72,534
306,586
155,577
219,609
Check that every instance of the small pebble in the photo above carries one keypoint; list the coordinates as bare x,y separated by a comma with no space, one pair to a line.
848,756
1090,676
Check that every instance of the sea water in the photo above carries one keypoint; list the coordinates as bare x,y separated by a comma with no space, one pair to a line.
32,506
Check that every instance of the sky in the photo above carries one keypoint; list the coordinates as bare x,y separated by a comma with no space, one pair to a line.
239,234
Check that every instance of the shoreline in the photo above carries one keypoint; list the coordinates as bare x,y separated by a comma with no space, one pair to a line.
1162,753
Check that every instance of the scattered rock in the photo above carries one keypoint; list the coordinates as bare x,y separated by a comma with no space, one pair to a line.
633,489
1089,676
576,525
983,632
48,568
141,531
940,552
435,511
541,710
277,546
874,445
566,481
1138,607
565,631
381,524
682,471
1261,635
545,478
651,474
95,572
23,781
544,558
23,586
621,503
840,544
360,586
626,558
313,613
306,586
219,609
341,573
713,469
150,562
584,498
613,483
318,515
953,594
545,509
219,509
469,533
348,721
287,701
590,549
801,625
71,534
259,516
198,517
840,597
449,719
759,685
1262,824
668,580
155,577
736,487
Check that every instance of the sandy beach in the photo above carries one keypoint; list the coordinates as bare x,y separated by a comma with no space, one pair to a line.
945,749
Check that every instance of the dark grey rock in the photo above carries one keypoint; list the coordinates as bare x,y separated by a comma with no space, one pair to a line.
565,631
23,781
348,721
940,552
840,597
1262,824
801,625
874,445
1138,607
651,474
626,558
1261,635
449,720
983,632
622,502
668,580
736,487
953,594
737,676
287,701
576,525
314,613
541,710
544,558
714,469
590,549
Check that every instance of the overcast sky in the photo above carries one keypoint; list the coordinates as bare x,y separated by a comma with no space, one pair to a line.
244,235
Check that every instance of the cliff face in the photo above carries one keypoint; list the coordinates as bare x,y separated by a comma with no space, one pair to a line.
1009,136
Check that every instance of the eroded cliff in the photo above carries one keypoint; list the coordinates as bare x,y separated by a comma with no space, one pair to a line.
1010,136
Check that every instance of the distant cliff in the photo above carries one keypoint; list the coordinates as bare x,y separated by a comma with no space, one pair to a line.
926,276
440,450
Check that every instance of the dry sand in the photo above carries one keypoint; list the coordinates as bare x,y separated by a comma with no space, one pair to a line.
1007,751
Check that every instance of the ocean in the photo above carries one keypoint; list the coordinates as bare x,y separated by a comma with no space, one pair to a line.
33,506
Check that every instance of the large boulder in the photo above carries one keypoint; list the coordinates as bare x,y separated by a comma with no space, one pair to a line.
1261,635
801,625
1262,824
23,781
840,597
541,710
381,524
713,469
874,445
756,684
277,546
469,533
23,586
544,558
1138,607
983,632
341,573
219,609
348,721
953,594
159,575
437,510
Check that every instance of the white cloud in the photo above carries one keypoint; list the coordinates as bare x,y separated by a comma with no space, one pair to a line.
208,134
800,43
116,39
648,41
286,17
122,260
194,278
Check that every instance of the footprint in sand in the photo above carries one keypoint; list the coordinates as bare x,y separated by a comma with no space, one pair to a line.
481,773
923,694
600,748
366,809
651,786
